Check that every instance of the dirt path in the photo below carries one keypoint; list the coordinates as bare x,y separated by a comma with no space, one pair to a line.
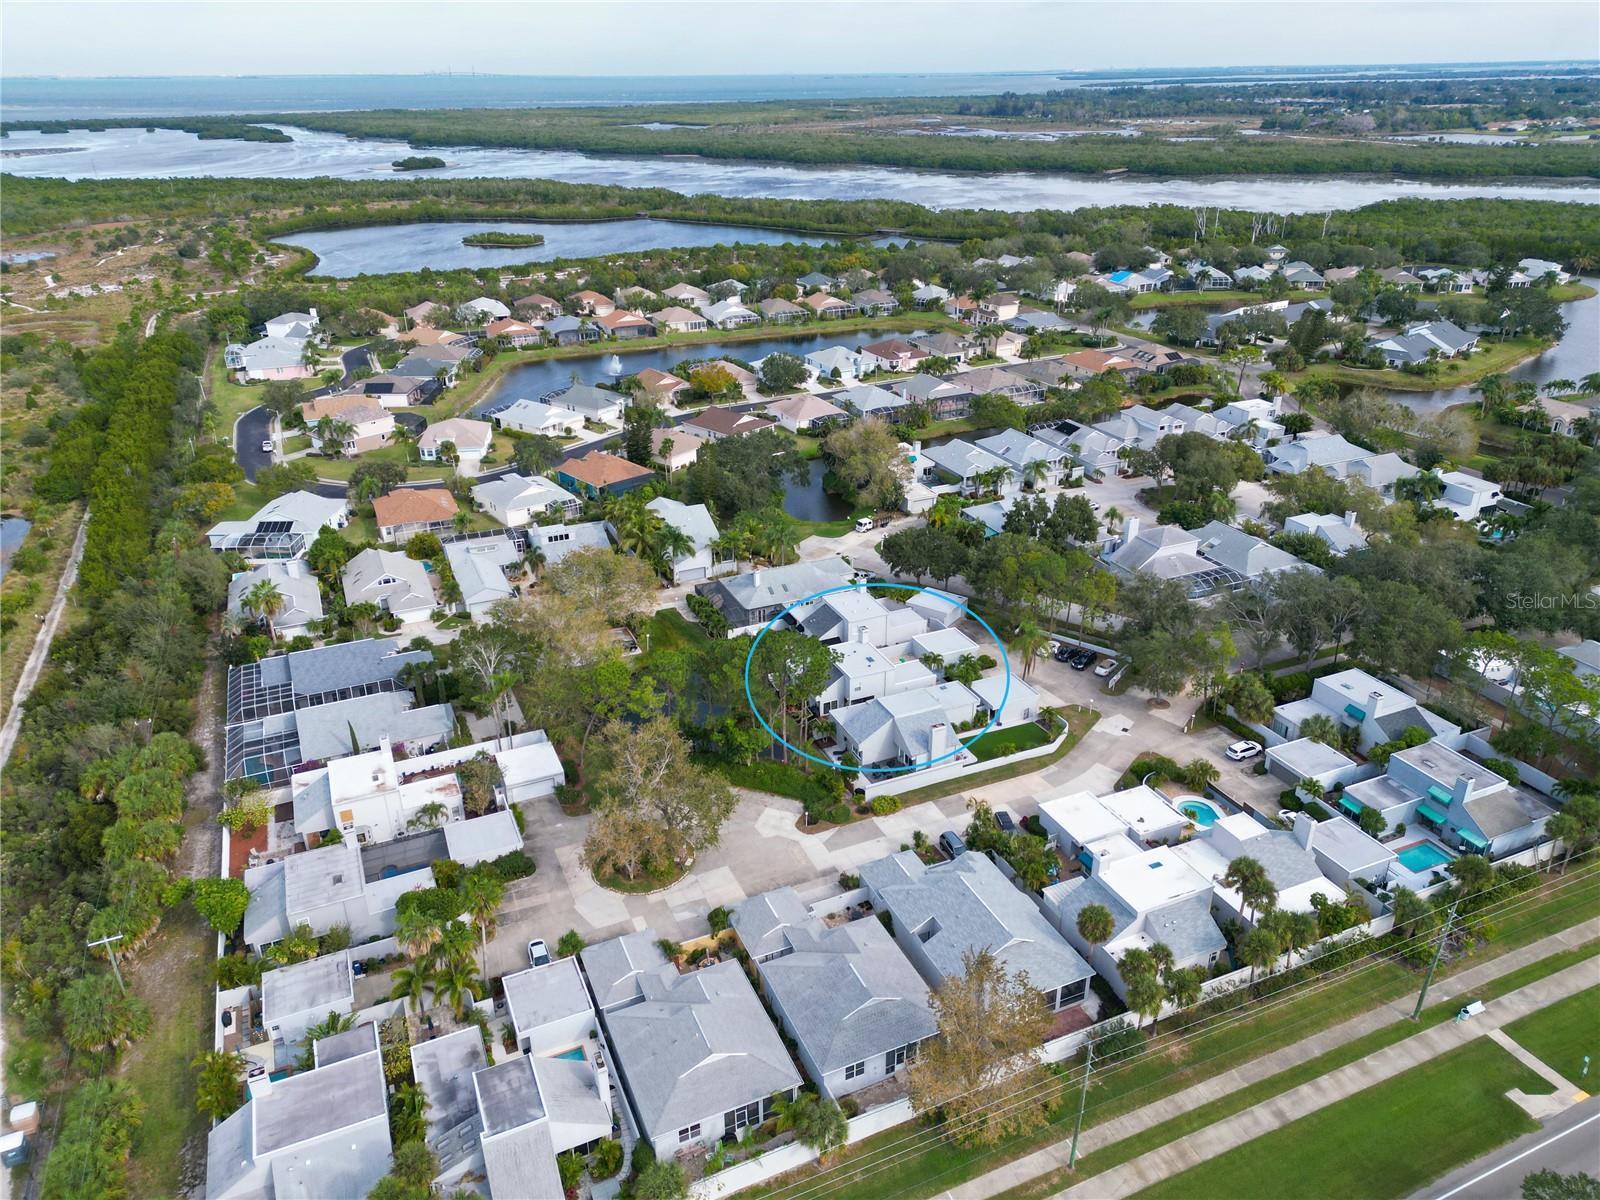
172,975
41,645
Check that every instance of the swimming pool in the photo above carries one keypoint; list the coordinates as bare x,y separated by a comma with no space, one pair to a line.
1198,811
1422,857
575,1054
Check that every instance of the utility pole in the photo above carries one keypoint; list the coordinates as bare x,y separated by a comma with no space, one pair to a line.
1438,953
1083,1099
111,953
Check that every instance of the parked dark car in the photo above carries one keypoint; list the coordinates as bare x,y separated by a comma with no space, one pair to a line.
1003,821
951,844
1064,653
1082,660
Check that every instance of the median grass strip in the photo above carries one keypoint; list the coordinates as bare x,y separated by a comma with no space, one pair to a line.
1384,1142
1314,1068
1562,1035
1230,1041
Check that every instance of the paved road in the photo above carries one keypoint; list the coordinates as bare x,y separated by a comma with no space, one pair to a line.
1568,1142
249,431
1284,1109
41,646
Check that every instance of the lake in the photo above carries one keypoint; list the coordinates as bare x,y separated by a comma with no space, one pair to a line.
168,154
388,249
1577,354
532,380
13,531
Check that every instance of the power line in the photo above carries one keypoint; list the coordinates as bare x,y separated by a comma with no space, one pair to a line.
1040,1090
1248,1009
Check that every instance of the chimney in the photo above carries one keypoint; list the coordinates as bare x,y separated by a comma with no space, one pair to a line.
1130,530
1350,520
314,316
602,1076
1305,827
940,740
1461,790
1374,699
755,577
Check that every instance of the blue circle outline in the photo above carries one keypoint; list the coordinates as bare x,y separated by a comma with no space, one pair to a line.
1005,661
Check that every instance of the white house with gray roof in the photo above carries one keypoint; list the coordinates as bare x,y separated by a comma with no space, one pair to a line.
550,1007
701,561
945,912
1341,533
393,581
1214,558
907,729
317,1133
965,465
296,997
851,1000
293,581
752,599
1329,452
1154,898
480,565
282,528
1353,698
521,499
1019,451
1294,871
537,417
697,1056
324,888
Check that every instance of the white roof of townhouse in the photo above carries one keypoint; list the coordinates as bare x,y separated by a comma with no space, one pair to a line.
965,905
523,491
479,567
692,520
542,995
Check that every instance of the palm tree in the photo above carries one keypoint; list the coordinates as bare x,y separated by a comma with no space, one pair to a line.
1095,924
1201,774
266,601
536,559
1035,472
482,894
456,985
1184,986
411,983
454,947
1113,519
404,438
1161,955
1257,949
1028,641
1249,878
946,511
1312,788
429,816
1300,933
416,931
670,545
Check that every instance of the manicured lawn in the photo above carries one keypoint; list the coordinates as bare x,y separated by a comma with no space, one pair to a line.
1002,742
1384,1142
1222,298
1491,358
1079,721
670,630
934,1164
232,400
1235,1102
1563,1033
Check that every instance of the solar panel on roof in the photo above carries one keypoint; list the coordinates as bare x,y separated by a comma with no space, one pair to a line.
274,526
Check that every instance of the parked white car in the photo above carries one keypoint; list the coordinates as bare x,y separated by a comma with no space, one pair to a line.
1107,665
1240,751
538,953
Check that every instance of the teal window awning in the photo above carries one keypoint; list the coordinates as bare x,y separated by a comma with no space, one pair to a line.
1435,792
1430,814
1350,710
1351,806
1472,839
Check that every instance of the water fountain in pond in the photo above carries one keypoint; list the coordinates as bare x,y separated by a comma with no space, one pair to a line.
613,366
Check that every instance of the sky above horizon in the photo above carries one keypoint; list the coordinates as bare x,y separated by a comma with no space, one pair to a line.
247,37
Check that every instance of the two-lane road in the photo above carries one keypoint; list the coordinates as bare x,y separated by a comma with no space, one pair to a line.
1568,1143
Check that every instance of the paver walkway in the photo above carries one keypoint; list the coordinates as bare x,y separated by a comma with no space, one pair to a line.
1054,1156
1378,1067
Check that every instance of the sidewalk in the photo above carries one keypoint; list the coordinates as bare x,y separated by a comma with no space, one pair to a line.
1376,1068
1096,1137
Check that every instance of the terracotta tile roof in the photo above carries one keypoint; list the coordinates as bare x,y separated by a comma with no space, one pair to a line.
406,506
600,470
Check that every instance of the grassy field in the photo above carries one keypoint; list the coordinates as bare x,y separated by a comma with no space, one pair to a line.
1211,1048
1384,1142
1222,298
1562,1034
1314,1068
1493,358
1009,741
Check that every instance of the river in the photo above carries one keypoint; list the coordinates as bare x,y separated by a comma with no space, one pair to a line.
388,249
171,154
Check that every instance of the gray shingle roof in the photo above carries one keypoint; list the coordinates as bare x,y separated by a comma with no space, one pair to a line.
967,905
849,993
613,968
697,1045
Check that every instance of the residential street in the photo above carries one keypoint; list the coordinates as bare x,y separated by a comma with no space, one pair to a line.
1566,1144
1107,1133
